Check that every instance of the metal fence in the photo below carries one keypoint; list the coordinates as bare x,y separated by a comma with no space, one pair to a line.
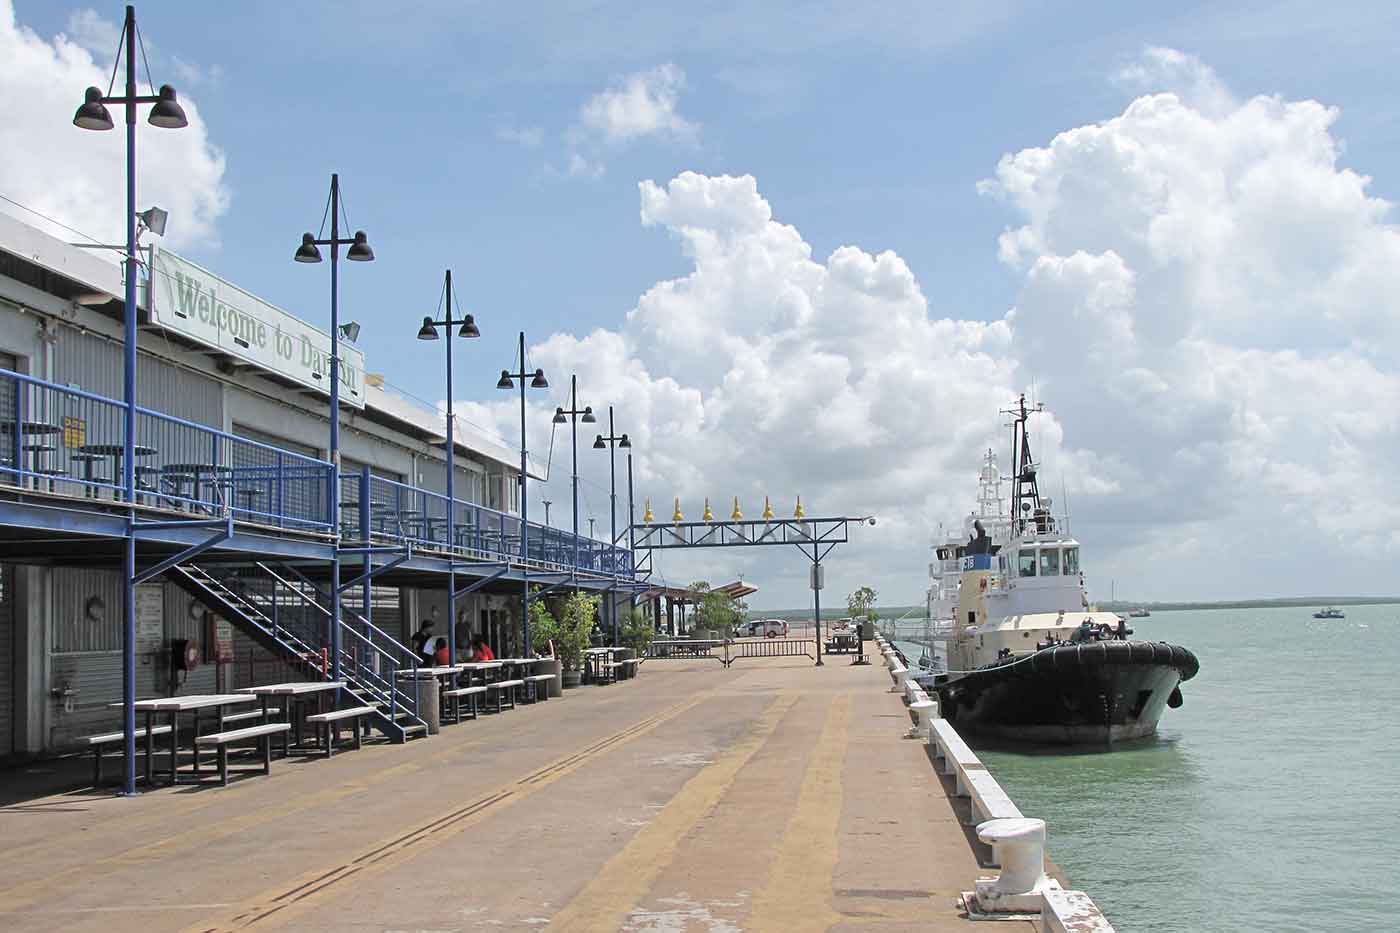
728,651
380,509
70,442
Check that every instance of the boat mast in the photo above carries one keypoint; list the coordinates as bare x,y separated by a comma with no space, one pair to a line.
1024,488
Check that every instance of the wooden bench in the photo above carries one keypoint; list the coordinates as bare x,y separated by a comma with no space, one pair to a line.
263,733
536,683
503,689
455,695
958,758
328,725
98,742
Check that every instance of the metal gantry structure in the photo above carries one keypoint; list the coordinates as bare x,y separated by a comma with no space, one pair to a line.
814,537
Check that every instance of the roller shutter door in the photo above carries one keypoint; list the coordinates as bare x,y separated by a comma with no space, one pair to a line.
7,660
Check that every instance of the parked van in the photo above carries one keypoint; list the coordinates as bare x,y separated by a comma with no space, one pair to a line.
768,628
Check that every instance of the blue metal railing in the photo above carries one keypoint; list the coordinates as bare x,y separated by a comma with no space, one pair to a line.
69,441
401,513
64,440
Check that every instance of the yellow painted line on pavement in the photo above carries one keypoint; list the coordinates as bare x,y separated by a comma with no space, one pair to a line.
605,902
797,897
282,904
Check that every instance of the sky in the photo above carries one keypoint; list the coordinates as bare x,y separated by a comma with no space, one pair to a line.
814,248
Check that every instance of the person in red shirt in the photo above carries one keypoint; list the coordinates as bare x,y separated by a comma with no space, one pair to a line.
441,656
482,651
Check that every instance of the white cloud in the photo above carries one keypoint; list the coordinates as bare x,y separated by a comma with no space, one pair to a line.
1207,306
94,32
75,176
641,104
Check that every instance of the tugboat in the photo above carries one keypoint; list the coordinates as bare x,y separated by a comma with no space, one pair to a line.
1139,613
1030,660
1331,612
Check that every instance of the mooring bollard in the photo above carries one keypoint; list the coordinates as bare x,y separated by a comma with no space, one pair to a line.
923,711
1021,845
897,676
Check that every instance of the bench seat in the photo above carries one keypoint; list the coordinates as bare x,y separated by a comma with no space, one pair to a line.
503,684
263,733
251,714
454,709
463,691
502,689
98,742
328,725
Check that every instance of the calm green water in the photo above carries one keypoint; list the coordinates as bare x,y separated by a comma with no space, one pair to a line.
1270,801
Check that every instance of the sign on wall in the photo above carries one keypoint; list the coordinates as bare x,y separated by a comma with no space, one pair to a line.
197,304
150,617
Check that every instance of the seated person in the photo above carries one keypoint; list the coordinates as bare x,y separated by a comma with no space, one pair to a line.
481,650
441,656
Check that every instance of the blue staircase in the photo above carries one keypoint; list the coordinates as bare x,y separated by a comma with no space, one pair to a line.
288,615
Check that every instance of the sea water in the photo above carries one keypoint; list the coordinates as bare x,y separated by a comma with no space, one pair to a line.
1270,801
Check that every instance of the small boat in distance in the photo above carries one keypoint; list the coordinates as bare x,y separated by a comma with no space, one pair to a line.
1331,612
1139,613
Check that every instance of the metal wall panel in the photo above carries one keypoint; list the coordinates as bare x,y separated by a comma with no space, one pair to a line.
95,364
7,660
73,628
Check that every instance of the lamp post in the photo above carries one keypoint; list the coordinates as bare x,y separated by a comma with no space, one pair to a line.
611,442
573,414
93,115
429,332
537,381
358,251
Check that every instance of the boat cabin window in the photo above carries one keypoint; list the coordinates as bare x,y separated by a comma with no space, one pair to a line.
1050,562
1026,563
1071,565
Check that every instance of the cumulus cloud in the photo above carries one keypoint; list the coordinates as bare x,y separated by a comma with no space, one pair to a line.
75,176
1206,305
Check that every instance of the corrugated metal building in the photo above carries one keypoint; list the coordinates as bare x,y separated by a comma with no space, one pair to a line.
61,627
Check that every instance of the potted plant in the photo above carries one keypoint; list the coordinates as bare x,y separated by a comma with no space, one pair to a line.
545,632
636,635
576,615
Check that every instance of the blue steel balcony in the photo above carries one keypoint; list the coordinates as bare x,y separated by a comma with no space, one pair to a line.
66,445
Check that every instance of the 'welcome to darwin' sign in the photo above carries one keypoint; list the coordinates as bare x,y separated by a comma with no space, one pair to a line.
197,304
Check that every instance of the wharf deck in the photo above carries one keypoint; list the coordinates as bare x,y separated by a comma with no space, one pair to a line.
768,796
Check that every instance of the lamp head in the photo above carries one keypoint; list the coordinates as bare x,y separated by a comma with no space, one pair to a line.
469,328
359,250
625,442
427,331
505,381
539,382
93,114
153,219
307,251
167,113
598,443
350,330
559,416
588,415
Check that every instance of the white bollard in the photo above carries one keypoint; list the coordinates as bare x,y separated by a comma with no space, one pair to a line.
897,676
1021,846
924,711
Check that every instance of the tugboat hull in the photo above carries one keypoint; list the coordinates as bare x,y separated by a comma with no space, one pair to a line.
1098,693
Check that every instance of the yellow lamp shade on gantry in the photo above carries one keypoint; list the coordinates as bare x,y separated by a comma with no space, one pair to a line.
647,517
736,515
709,516
678,517
800,513
767,510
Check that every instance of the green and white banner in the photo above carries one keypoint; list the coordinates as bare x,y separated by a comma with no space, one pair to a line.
196,303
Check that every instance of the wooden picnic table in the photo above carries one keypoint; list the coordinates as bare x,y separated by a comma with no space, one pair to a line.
174,706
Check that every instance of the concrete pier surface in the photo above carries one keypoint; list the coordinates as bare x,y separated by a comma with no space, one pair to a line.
769,796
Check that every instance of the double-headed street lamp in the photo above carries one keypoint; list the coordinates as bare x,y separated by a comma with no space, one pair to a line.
537,381
358,251
573,414
93,115
611,442
429,332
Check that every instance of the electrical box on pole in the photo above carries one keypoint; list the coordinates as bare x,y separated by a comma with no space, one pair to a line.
818,576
